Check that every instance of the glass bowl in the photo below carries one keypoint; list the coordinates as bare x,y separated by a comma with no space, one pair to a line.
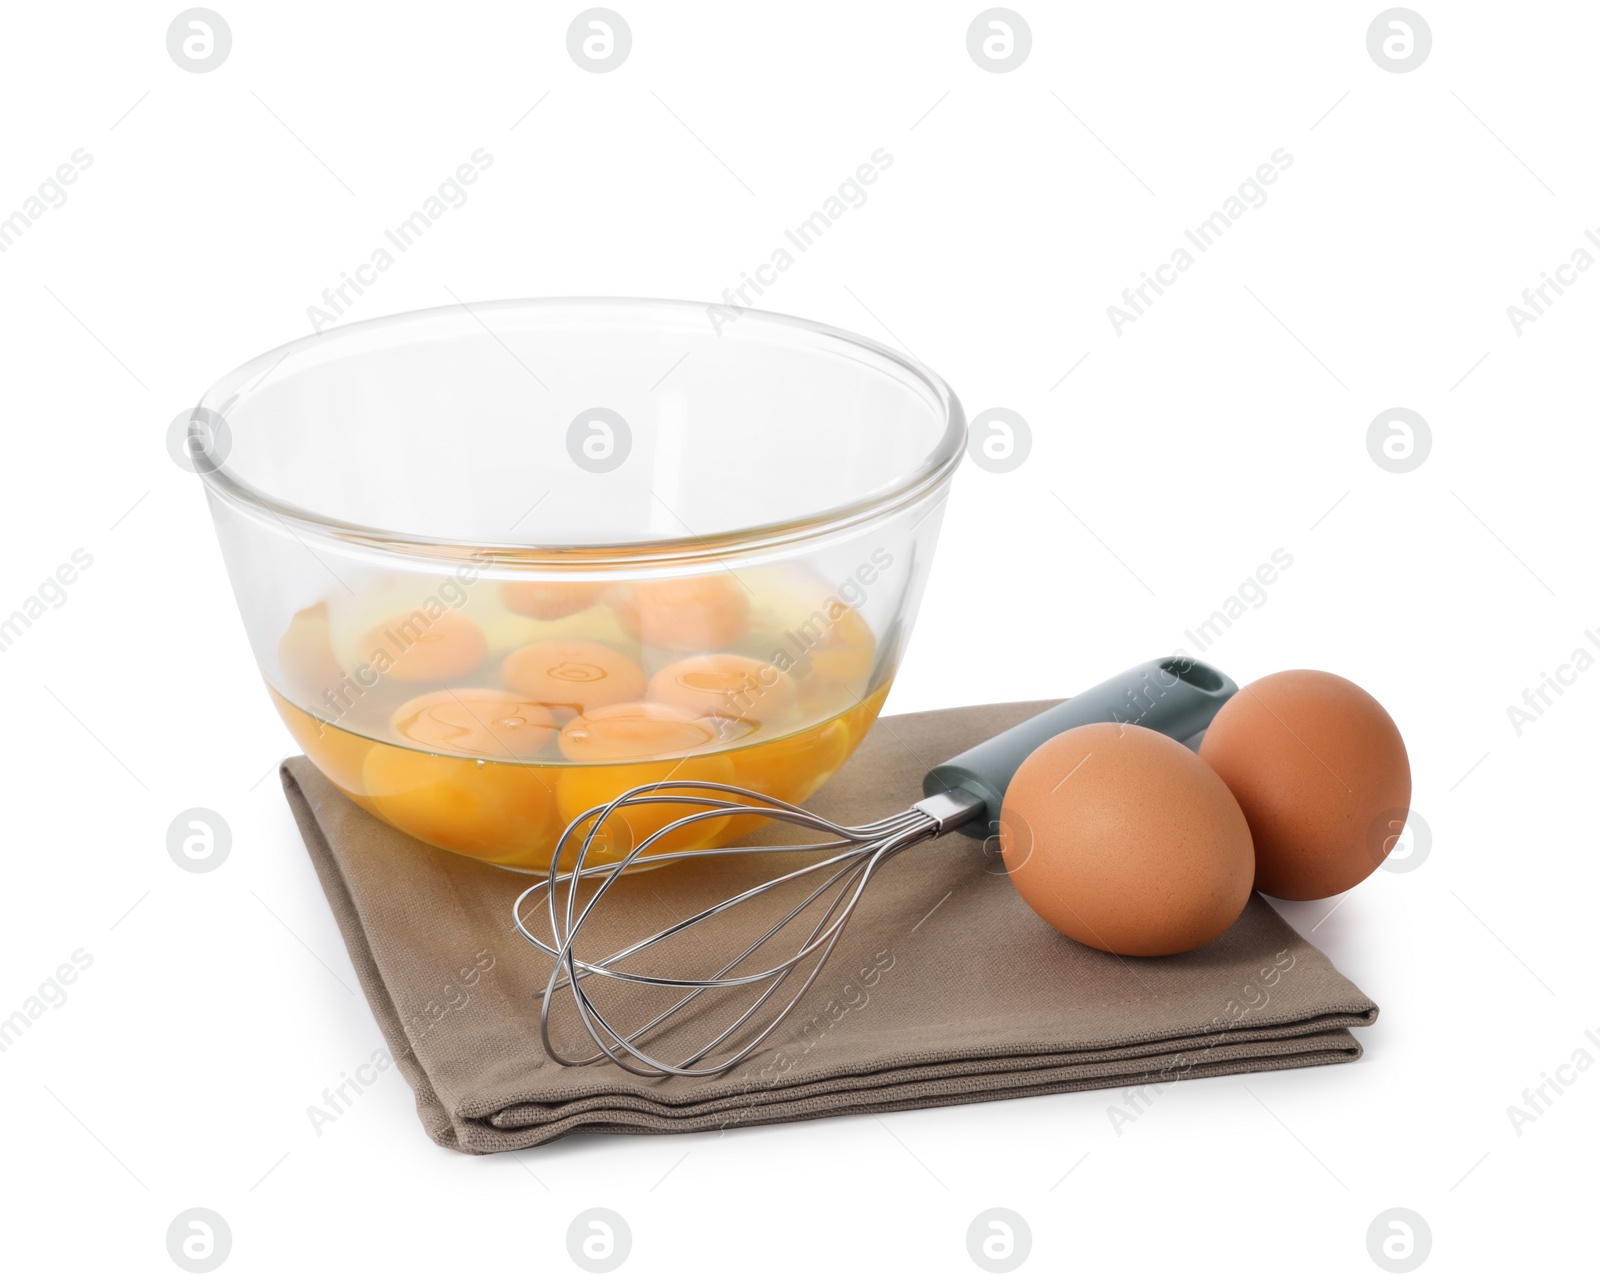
500,562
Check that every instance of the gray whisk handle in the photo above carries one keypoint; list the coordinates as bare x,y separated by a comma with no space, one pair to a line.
1175,695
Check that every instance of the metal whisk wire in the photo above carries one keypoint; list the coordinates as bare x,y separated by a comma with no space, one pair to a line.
860,851
1175,695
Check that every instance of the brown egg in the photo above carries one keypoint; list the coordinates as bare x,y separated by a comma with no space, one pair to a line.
1125,840
1321,773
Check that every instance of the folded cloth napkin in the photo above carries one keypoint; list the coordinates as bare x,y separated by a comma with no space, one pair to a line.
944,987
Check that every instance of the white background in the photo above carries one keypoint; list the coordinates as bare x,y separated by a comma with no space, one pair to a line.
1227,422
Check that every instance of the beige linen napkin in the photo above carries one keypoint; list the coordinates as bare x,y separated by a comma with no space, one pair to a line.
944,989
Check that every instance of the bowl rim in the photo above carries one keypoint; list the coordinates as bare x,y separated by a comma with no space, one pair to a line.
930,474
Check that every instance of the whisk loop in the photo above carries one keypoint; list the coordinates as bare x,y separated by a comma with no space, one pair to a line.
858,852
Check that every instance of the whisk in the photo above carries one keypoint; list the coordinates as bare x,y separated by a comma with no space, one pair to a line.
768,976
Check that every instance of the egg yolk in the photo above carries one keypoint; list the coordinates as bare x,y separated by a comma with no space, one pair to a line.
545,599
573,676
701,613
724,686
637,732
495,771
499,811
790,769
414,648
337,753
476,723
840,665
579,789
794,767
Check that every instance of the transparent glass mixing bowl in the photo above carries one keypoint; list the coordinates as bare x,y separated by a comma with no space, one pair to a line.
498,563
